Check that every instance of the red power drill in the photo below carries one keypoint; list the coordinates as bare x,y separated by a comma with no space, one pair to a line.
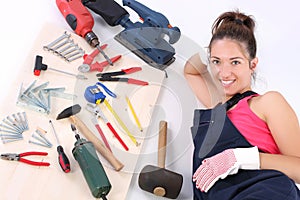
81,21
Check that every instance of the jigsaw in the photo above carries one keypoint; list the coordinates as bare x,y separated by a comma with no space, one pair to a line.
145,39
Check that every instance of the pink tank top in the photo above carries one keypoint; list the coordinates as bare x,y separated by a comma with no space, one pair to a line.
254,129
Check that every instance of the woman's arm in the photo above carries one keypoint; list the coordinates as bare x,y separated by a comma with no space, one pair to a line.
284,126
201,82
289,165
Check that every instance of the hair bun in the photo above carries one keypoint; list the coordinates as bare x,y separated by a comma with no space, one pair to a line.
239,21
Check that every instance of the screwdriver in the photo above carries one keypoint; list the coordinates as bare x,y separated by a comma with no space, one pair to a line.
62,157
81,21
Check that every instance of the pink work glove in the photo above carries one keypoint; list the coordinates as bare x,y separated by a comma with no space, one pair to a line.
223,164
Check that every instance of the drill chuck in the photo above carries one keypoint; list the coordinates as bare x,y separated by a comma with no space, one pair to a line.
91,167
92,39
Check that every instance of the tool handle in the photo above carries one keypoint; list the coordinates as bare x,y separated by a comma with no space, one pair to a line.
77,16
109,10
96,66
63,159
100,147
102,136
117,136
162,140
30,162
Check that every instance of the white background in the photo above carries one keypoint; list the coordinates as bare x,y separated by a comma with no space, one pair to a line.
277,35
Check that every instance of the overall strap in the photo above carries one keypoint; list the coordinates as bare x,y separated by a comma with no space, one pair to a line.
237,97
218,123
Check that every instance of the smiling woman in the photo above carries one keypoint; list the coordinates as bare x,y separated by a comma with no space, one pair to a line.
243,133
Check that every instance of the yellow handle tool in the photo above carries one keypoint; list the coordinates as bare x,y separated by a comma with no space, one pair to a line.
107,104
137,121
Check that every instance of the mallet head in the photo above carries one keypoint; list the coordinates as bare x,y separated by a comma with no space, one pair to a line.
68,112
160,181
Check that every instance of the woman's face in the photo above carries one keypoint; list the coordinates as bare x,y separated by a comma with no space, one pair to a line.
231,66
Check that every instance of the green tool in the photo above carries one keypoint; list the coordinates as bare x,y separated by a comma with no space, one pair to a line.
91,167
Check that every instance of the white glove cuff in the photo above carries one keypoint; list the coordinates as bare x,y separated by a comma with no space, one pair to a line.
248,158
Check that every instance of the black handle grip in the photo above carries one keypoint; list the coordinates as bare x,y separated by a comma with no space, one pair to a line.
63,160
109,10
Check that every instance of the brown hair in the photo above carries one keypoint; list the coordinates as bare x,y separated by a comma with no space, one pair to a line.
235,26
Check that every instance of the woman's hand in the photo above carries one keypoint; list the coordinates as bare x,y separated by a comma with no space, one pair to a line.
223,164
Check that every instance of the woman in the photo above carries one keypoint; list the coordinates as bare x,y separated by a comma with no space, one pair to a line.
253,151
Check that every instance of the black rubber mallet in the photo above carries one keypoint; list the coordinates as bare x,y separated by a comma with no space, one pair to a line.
158,180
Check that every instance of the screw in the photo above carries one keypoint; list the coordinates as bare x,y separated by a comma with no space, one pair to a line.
40,144
23,121
41,135
17,122
11,140
9,128
12,124
7,131
25,118
10,136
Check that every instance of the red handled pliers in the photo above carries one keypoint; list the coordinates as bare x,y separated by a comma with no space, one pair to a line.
112,76
88,65
19,157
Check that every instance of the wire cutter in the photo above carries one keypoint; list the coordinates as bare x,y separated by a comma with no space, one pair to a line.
19,157
108,76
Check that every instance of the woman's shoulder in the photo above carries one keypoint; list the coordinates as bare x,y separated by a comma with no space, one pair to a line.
268,103
272,97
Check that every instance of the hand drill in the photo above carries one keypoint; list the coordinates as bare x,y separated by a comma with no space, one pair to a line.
81,21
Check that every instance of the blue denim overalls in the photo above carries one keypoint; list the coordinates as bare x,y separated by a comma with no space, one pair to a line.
213,132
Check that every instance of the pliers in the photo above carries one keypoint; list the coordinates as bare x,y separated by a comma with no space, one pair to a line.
108,76
19,157
96,110
88,65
